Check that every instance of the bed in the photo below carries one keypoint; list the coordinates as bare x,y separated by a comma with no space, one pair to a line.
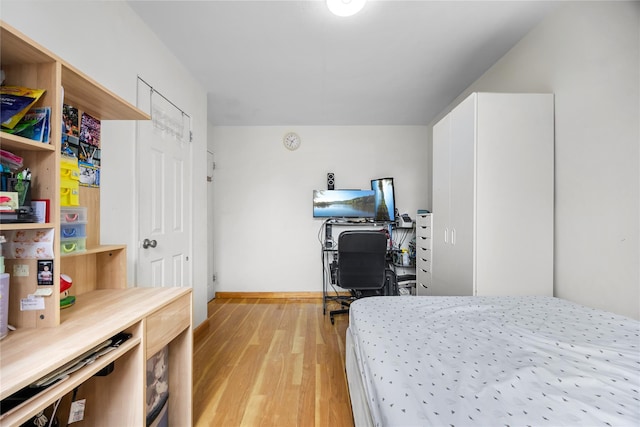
489,361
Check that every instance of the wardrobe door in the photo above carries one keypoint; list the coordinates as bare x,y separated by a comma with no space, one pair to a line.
441,260
462,196
514,212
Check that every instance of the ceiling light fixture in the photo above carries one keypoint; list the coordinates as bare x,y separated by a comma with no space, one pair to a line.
345,7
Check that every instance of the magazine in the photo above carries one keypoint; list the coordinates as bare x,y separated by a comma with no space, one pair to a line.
13,92
70,119
90,130
34,125
12,105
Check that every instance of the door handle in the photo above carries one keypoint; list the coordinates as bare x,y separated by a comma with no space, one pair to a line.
446,235
146,243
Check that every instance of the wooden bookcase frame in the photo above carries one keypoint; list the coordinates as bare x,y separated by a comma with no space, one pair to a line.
27,64
47,339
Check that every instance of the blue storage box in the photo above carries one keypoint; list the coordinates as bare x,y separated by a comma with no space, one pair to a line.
71,231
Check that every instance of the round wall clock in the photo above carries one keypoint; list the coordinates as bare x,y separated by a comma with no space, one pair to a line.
291,140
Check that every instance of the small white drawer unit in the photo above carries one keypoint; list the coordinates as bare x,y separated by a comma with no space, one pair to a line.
423,253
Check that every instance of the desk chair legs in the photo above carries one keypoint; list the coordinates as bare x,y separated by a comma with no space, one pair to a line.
340,311
390,283
390,289
334,312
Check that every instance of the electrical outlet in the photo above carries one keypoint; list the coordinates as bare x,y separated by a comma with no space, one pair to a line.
21,270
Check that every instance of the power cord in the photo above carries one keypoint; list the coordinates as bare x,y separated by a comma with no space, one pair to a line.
55,409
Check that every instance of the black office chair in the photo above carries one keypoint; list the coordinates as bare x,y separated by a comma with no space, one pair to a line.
362,267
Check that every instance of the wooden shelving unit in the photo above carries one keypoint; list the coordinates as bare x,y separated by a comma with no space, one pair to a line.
49,338
27,64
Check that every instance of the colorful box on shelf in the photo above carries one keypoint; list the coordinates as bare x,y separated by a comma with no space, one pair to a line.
72,231
73,215
69,192
69,168
74,245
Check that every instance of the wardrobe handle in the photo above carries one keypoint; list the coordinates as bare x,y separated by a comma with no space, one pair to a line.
453,236
446,234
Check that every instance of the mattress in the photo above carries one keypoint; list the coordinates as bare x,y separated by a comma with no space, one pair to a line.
461,361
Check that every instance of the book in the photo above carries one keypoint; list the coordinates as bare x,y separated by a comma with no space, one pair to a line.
13,92
8,201
10,105
46,134
34,125
40,210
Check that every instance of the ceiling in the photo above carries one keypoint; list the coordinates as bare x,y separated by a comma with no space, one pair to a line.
294,63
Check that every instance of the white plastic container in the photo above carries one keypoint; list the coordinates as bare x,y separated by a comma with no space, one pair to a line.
405,257
70,215
4,304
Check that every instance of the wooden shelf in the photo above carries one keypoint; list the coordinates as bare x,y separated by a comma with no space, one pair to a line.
89,96
96,250
24,412
101,267
18,49
13,142
80,90
27,226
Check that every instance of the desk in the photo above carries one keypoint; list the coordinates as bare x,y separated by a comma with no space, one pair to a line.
330,252
154,317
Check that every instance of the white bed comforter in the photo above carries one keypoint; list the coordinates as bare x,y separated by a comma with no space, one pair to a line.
496,361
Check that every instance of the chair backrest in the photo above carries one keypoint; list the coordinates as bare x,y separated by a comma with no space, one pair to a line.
362,259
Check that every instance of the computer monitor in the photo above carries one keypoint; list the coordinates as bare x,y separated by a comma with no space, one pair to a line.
385,205
343,203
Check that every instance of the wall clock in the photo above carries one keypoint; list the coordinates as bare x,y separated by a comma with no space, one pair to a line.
291,140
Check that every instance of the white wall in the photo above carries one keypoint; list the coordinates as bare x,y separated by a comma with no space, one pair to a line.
107,41
588,54
266,239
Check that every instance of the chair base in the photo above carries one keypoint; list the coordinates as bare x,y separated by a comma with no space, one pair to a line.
390,288
344,303
334,312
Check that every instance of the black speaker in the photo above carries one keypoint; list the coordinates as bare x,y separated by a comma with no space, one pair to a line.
331,181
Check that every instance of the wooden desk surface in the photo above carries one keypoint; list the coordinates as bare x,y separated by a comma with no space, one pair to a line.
27,355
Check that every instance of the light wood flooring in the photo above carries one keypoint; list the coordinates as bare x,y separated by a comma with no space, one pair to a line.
270,362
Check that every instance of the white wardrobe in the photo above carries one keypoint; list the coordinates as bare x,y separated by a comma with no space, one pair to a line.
493,179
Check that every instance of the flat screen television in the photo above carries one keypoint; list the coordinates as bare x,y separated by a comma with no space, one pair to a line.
343,203
385,205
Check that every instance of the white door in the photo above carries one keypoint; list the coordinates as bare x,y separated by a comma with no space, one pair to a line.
211,292
164,196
